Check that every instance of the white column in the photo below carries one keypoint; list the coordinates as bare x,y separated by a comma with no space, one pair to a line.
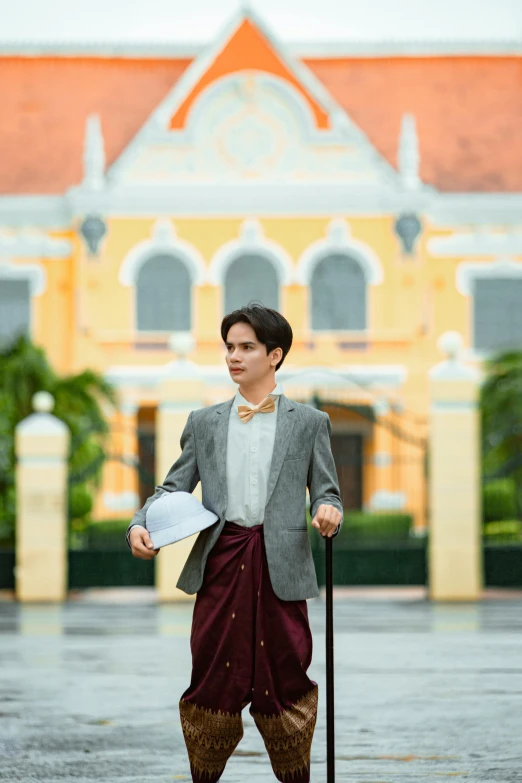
455,546
41,442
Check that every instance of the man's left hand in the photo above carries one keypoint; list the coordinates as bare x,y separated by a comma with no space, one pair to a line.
327,520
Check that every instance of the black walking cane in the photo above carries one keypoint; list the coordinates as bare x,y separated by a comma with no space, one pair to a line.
330,736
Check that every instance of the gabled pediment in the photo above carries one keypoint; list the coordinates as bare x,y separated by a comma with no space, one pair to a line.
245,111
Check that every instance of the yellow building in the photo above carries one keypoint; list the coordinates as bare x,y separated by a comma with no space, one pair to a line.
358,194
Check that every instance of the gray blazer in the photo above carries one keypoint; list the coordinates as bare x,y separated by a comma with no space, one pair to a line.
302,457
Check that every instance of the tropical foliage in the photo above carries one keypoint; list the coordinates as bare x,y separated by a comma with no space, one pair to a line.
501,413
24,370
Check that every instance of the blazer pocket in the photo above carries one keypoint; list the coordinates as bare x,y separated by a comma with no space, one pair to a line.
297,529
295,457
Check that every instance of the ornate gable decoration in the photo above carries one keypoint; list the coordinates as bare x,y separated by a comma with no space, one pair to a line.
244,112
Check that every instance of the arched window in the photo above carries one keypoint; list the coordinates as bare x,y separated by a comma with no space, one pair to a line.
163,295
15,308
251,277
497,313
338,294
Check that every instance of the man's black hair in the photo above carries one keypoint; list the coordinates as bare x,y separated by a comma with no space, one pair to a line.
271,328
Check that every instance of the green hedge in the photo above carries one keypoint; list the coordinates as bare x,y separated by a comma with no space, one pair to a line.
367,526
357,526
503,530
499,500
105,534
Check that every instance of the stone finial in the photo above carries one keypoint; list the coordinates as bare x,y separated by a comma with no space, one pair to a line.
408,156
42,421
451,344
181,343
182,369
453,368
94,153
43,402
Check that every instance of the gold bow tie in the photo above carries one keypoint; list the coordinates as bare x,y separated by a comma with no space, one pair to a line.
265,406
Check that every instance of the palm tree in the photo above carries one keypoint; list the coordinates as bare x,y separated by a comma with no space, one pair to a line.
501,409
24,370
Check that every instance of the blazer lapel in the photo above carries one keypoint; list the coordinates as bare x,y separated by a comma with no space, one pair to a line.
220,435
284,426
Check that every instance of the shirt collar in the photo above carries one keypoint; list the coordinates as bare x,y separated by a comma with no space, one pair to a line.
276,393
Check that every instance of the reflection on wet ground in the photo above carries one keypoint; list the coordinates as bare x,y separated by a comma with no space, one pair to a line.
89,691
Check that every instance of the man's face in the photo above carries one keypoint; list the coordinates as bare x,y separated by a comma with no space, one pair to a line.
248,356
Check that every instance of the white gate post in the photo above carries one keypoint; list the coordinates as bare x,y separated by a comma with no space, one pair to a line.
41,443
455,536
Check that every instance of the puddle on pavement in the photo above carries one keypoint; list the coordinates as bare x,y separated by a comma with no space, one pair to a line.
409,757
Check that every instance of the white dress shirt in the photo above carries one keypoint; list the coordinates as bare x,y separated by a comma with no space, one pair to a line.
250,447
249,455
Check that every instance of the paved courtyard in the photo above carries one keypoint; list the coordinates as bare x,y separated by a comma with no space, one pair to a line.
424,692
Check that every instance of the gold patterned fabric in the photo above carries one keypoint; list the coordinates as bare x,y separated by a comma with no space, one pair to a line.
211,738
288,736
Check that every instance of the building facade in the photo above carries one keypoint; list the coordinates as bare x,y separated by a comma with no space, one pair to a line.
374,199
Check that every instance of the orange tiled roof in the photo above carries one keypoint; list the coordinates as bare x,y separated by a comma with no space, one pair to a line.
45,102
468,110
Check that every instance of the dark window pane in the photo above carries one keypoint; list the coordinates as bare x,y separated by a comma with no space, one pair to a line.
347,452
338,294
14,308
497,314
251,277
163,293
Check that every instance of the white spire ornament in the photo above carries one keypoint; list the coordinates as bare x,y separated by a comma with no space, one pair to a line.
94,154
408,226
408,156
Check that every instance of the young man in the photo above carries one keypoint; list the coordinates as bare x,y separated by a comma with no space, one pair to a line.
255,455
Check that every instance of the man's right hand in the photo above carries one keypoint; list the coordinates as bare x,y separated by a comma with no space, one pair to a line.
141,544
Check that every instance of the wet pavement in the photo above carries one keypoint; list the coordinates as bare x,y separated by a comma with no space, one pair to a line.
89,690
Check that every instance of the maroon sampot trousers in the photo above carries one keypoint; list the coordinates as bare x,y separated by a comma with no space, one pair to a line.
248,647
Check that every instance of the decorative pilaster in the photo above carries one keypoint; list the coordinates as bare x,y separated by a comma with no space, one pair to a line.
206,326
295,303
383,489
455,547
